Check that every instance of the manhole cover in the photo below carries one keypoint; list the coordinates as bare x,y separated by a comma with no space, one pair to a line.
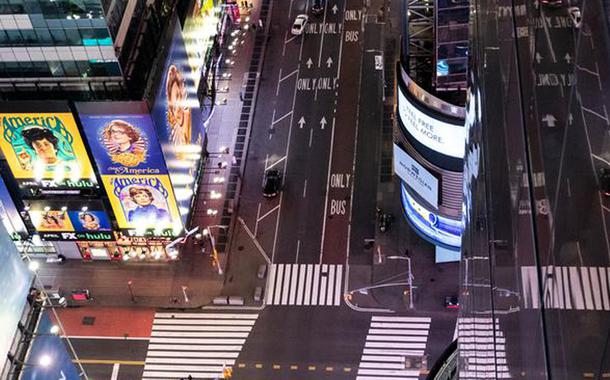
88,321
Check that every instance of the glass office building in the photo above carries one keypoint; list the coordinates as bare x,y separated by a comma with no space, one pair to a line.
535,279
55,39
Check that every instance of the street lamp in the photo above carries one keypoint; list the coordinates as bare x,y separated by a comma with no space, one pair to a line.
208,232
410,279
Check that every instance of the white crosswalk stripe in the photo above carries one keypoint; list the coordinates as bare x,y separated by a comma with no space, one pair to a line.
196,344
483,345
566,287
391,344
305,285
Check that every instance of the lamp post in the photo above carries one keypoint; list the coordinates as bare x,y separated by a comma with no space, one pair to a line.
410,279
208,232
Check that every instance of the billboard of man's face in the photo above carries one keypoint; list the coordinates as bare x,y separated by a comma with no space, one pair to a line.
44,146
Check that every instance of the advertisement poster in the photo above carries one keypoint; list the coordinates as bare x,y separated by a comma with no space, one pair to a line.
89,221
142,201
416,176
16,279
438,135
45,148
124,144
51,220
178,119
438,228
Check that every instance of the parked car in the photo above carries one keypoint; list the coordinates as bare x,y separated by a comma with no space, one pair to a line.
452,302
299,24
553,3
271,183
576,16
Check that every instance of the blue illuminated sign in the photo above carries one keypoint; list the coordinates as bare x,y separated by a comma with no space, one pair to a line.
438,228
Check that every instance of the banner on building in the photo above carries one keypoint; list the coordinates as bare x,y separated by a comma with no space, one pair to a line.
45,150
177,116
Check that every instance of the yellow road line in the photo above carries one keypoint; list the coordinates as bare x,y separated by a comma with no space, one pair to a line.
347,369
276,366
241,365
329,369
311,368
294,367
106,361
588,374
259,365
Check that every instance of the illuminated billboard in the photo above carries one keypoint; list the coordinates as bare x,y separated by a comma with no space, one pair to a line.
125,148
416,176
142,202
436,227
45,150
53,221
124,144
15,281
199,31
178,119
438,135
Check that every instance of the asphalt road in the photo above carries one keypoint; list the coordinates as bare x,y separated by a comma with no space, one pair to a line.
305,125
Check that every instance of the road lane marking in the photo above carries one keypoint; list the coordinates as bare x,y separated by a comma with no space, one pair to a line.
330,162
285,294
277,88
115,371
268,213
281,118
322,37
289,75
93,337
305,284
275,163
305,189
310,136
108,361
258,212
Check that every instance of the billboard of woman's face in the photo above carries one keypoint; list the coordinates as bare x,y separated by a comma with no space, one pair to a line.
178,111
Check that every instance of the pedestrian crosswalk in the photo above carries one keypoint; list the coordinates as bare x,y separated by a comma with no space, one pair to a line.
566,287
305,285
195,344
482,346
394,348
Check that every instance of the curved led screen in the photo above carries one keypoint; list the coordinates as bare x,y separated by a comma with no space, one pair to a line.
440,136
438,228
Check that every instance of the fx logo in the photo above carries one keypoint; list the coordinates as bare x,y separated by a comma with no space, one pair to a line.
68,236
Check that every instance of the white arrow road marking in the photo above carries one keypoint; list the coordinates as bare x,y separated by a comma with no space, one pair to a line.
301,122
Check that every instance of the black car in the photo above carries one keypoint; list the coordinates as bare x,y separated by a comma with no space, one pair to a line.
553,3
317,8
271,183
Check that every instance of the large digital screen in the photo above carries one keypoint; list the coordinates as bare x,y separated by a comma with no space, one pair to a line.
9,215
142,202
178,119
15,281
45,150
416,176
56,222
440,136
437,228
124,144
132,166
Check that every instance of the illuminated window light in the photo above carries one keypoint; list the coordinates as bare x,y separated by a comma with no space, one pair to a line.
215,195
64,208
47,208
218,179
182,179
189,148
183,193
